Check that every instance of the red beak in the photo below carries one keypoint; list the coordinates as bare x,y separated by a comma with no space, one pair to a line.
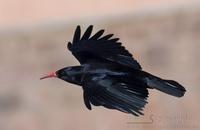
50,75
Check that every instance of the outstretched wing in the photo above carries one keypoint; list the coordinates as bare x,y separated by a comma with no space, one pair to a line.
113,94
102,48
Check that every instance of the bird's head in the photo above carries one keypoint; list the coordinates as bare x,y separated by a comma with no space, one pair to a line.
69,74
61,74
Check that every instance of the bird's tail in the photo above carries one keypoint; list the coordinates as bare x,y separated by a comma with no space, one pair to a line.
167,86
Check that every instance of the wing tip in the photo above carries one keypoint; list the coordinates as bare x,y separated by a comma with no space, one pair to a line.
87,33
90,26
69,46
78,27
77,34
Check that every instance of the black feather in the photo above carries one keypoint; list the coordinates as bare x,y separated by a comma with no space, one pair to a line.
167,86
69,45
106,37
97,35
77,34
87,33
114,40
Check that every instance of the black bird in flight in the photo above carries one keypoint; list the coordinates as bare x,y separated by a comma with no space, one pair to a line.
109,75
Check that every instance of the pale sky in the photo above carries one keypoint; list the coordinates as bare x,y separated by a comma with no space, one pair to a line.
34,12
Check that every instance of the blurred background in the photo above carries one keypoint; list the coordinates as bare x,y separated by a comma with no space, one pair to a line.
163,35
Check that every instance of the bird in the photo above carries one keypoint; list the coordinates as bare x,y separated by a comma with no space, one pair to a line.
109,74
